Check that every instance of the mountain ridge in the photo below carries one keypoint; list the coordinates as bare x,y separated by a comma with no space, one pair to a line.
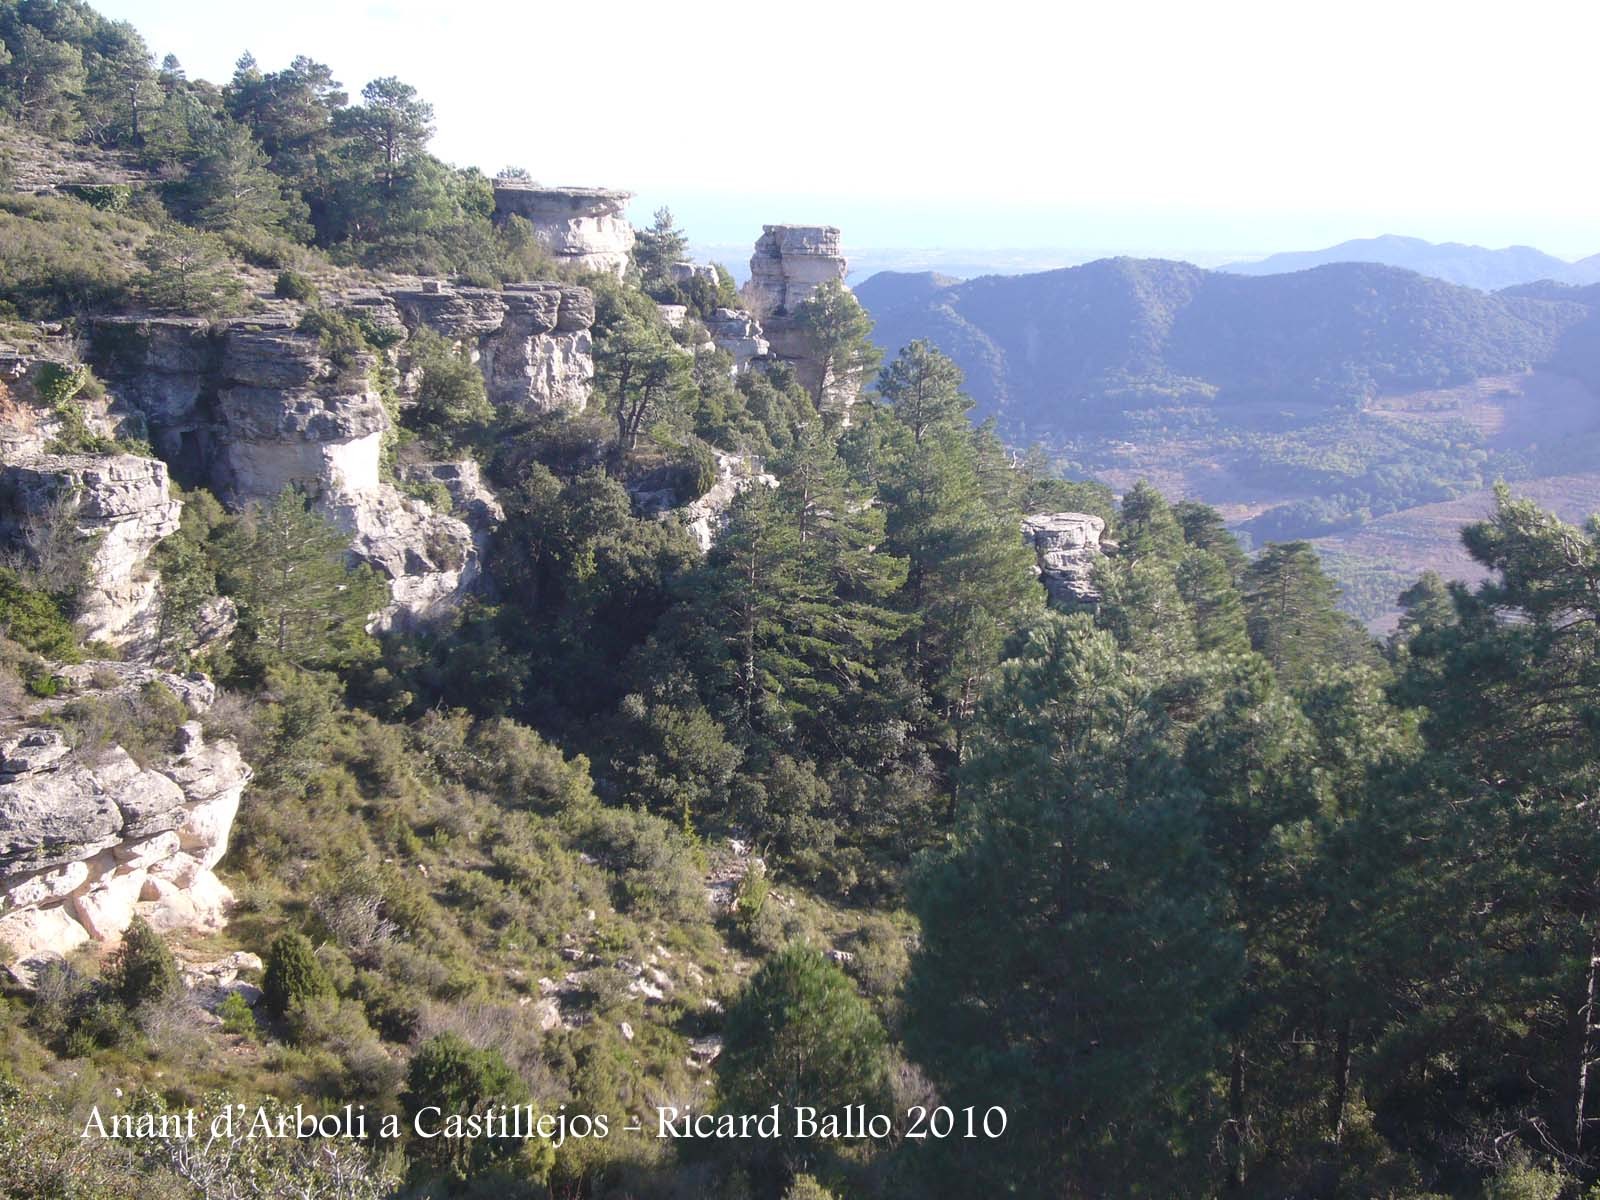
1454,262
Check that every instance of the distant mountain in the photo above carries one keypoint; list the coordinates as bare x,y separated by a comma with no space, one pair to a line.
1454,262
1081,348
1305,405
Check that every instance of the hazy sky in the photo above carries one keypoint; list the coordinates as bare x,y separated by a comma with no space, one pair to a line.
1208,129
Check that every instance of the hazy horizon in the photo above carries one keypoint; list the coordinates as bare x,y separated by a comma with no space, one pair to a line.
1035,130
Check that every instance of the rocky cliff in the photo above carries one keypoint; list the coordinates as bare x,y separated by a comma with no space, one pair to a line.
1068,548
90,836
583,227
789,263
250,406
117,508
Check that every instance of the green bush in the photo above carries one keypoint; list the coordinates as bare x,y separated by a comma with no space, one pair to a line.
293,975
35,621
142,968
237,1016
292,285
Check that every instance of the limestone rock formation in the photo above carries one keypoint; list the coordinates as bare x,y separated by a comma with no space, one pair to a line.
1068,548
470,497
704,517
736,331
252,407
586,227
790,262
532,341
119,505
90,838
688,272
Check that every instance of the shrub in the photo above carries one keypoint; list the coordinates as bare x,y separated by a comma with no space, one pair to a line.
292,285
450,396
142,968
293,975
34,620
237,1016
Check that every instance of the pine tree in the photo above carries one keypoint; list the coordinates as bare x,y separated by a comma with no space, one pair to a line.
1292,614
657,248
1086,1011
840,334
299,599
799,1034
923,387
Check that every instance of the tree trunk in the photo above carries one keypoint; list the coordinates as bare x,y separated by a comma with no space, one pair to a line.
1587,1028
1234,1137
1341,1081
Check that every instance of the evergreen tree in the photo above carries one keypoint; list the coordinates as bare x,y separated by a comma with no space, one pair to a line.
299,599
188,272
840,335
1086,1011
923,387
388,130
1292,615
656,249
799,1034
142,968
292,975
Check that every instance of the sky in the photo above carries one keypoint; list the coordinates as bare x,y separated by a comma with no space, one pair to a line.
1203,130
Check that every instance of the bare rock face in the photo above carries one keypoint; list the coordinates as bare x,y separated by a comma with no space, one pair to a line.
1068,548
542,357
469,496
736,331
253,407
790,262
89,839
532,341
120,506
584,226
688,272
288,416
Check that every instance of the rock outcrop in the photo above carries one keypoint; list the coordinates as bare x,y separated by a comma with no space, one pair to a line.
585,227
736,331
532,341
704,517
118,507
91,838
790,262
251,407
1068,548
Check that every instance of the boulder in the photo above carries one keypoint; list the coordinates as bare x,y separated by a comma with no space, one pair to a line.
91,838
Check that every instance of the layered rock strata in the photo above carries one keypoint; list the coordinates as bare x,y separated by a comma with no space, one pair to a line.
90,838
790,262
585,227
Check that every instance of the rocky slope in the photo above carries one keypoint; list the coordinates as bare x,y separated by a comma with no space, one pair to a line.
90,837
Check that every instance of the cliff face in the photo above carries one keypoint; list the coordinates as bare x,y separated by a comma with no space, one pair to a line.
248,407
90,838
118,508
532,342
584,227
790,262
